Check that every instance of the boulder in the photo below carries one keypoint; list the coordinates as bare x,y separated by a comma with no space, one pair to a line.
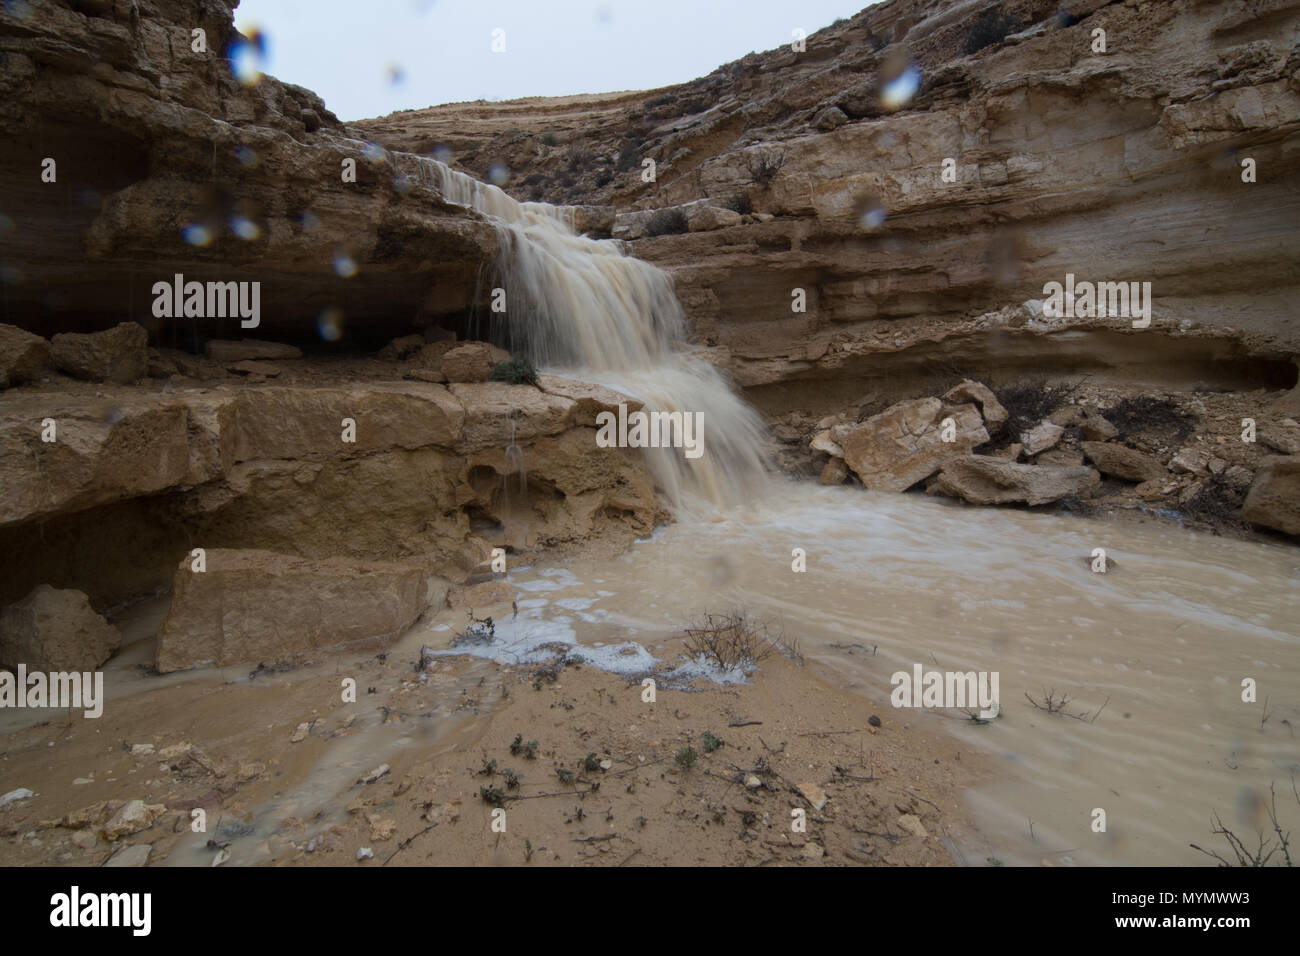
704,218
54,630
902,445
1190,461
472,362
1041,437
830,118
1096,426
834,473
822,441
249,606
1120,461
995,416
984,480
228,352
22,355
1283,437
120,354
1274,497
401,348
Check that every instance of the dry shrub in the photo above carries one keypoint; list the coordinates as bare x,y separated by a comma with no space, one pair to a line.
733,640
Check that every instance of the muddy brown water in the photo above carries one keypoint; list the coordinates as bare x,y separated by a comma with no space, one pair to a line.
1152,653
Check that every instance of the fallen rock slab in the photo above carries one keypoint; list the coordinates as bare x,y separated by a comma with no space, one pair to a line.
472,362
903,444
1041,437
120,354
984,480
1120,461
22,355
1274,497
968,392
55,630
259,605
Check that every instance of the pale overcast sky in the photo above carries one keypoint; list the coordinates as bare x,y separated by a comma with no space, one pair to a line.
370,57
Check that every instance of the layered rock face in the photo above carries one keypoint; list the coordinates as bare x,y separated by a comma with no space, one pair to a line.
134,479
130,156
922,165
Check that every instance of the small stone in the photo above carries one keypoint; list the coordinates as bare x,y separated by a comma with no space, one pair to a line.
1041,437
13,796
135,855
375,774
175,751
133,817
752,782
873,720
222,856
300,734
141,750
912,824
606,764
86,839
814,794
365,853
812,851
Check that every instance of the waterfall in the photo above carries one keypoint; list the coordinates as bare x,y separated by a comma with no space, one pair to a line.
584,308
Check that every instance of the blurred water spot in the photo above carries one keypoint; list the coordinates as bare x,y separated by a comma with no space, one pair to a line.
89,198
498,175
870,212
898,91
329,324
18,9
247,56
197,234
345,265
442,154
396,75
5,224
373,151
310,221
245,228
247,156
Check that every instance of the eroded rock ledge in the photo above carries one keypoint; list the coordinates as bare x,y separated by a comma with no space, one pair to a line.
139,476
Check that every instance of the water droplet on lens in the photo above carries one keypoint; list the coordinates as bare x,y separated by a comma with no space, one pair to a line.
498,175
345,265
329,324
197,235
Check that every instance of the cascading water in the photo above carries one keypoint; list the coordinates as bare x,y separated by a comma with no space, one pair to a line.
584,307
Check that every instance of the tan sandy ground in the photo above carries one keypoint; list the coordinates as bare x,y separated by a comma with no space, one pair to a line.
893,794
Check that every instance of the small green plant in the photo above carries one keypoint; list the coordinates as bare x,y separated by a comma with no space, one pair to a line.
686,758
764,165
488,769
640,821
710,742
566,776
548,139
527,750
493,795
741,204
517,371
528,851
512,779
590,763
667,222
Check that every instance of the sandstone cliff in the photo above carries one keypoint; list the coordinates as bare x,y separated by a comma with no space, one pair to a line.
1124,165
